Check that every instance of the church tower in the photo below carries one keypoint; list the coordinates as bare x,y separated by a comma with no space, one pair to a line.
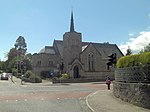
72,45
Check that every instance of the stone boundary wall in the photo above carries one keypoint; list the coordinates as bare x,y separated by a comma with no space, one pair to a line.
88,77
101,75
78,80
135,93
133,74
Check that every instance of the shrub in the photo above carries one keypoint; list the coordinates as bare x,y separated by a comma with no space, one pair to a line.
54,78
31,77
45,74
134,60
65,76
145,58
28,74
35,78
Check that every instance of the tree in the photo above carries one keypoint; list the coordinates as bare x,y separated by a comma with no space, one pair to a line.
16,55
2,66
146,49
12,54
21,45
129,52
28,56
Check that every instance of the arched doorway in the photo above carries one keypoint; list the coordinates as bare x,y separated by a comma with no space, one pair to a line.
76,71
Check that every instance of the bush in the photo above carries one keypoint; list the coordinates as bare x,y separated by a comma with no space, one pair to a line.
134,60
55,78
31,77
45,74
35,78
28,74
145,58
65,76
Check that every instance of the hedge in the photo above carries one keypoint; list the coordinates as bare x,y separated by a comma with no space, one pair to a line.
134,60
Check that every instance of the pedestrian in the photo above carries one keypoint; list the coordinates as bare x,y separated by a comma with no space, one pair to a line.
108,82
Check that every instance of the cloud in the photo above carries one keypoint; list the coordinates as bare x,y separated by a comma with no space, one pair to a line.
131,34
137,43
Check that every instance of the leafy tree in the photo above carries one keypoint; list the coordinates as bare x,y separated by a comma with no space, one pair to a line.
16,56
2,66
12,59
28,56
129,52
146,49
27,64
12,54
21,45
17,62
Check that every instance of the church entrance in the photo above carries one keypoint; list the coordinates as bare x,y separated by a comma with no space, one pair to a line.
76,72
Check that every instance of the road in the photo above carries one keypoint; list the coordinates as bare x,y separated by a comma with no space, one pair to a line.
45,98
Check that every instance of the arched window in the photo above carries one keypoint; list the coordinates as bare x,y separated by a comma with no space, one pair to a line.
91,62
38,63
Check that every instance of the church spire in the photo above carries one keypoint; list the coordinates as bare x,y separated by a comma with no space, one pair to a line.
72,23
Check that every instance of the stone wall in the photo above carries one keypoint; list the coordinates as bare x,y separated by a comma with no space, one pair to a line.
132,84
78,80
88,77
133,74
135,93
101,75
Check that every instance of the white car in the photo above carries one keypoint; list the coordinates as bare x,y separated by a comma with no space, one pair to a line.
4,76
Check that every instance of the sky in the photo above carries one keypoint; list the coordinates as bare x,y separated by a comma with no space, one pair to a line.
122,22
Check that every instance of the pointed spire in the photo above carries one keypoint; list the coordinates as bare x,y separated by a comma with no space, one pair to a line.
72,23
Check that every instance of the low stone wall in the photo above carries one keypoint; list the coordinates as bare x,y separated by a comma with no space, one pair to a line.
101,75
78,80
135,93
133,74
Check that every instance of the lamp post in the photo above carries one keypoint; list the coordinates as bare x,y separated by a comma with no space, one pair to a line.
17,63
61,66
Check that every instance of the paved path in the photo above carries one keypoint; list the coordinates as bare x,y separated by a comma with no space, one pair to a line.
43,97
104,101
100,101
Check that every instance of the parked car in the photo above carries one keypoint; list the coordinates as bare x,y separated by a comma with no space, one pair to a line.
4,76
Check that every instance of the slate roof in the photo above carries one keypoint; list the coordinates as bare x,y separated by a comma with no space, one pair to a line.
47,50
59,45
104,48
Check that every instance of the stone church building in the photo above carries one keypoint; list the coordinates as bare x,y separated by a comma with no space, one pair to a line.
81,59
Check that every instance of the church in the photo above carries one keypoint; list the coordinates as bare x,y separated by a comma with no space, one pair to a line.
79,59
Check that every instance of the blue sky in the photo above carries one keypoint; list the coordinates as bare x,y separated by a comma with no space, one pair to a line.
122,22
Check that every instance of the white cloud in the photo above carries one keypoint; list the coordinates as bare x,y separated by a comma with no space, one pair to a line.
136,44
131,34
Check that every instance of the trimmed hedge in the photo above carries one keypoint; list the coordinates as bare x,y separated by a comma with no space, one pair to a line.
134,60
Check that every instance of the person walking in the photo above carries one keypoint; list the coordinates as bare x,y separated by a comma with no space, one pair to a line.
108,82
